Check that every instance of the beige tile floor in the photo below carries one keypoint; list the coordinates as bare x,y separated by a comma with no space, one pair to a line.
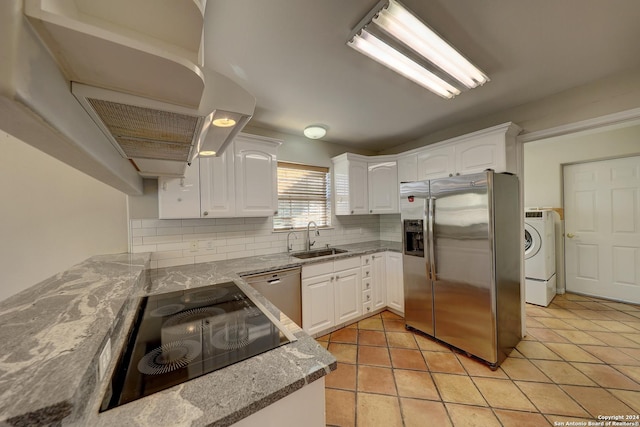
580,359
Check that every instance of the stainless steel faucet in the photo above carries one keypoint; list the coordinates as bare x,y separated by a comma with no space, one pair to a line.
289,245
307,242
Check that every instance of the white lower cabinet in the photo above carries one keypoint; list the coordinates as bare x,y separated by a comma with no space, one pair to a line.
338,292
318,303
331,294
347,295
395,284
373,282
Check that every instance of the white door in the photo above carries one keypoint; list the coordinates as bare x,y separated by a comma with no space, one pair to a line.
348,294
408,168
383,187
602,228
358,200
318,303
479,154
217,185
256,178
436,162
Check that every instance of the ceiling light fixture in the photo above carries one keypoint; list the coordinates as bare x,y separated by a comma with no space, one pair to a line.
206,153
315,132
224,122
393,36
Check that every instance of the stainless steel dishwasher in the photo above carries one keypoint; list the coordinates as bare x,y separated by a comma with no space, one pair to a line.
282,288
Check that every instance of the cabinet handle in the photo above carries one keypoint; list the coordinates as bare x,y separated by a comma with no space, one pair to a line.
368,297
275,212
370,210
351,212
367,261
457,173
368,284
337,277
332,278
205,213
368,308
450,174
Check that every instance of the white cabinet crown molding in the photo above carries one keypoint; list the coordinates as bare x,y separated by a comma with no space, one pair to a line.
509,129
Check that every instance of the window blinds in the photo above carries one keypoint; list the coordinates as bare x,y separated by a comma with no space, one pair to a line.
303,196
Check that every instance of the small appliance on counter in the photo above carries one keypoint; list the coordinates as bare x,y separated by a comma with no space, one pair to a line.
461,260
178,336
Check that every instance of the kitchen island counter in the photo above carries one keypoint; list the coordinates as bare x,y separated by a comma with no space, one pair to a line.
68,389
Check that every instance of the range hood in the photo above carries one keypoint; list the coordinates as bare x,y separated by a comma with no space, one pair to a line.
161,138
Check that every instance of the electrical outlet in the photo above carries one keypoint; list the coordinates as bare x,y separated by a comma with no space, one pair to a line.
105,358
209,244
193,245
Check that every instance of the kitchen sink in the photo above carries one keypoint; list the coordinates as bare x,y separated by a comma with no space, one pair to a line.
317,253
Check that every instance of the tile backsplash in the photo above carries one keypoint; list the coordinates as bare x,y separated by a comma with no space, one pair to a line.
189,241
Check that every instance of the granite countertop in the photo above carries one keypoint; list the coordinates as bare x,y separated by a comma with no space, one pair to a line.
52,335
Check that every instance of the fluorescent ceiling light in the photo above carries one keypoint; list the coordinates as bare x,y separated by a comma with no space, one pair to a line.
377,50
390,30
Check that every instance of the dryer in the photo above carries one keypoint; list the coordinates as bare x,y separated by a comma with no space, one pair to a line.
540,257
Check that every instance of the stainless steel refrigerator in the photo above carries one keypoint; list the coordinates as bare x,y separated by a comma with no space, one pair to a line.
462,260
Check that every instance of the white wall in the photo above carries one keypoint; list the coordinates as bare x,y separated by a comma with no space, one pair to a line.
610,95
52,216
543,161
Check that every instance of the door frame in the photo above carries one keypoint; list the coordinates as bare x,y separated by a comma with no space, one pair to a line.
623,119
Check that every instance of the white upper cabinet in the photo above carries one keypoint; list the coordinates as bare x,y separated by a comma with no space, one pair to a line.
382,177
408,168
241,182
365,185
436,162
256,176
492,148
475,156
180,197
350,186
217,185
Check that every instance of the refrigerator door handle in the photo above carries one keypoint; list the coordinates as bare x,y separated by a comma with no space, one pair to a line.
431,237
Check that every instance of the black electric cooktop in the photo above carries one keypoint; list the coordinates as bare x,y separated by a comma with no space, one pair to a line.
182,335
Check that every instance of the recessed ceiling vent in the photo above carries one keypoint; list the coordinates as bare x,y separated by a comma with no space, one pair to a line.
161,138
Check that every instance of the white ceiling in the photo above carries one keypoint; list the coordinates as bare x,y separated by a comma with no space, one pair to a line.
292,55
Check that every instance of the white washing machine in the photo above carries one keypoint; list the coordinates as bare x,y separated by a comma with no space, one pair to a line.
539,257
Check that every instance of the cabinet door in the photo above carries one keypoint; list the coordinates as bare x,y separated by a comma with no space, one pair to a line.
378,282
408,168
318,303
180,197
395,287
348,295
475,156
383,187
436,162
358,190
256,178
217,185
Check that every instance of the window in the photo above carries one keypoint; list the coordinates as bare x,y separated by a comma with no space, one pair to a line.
303,196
